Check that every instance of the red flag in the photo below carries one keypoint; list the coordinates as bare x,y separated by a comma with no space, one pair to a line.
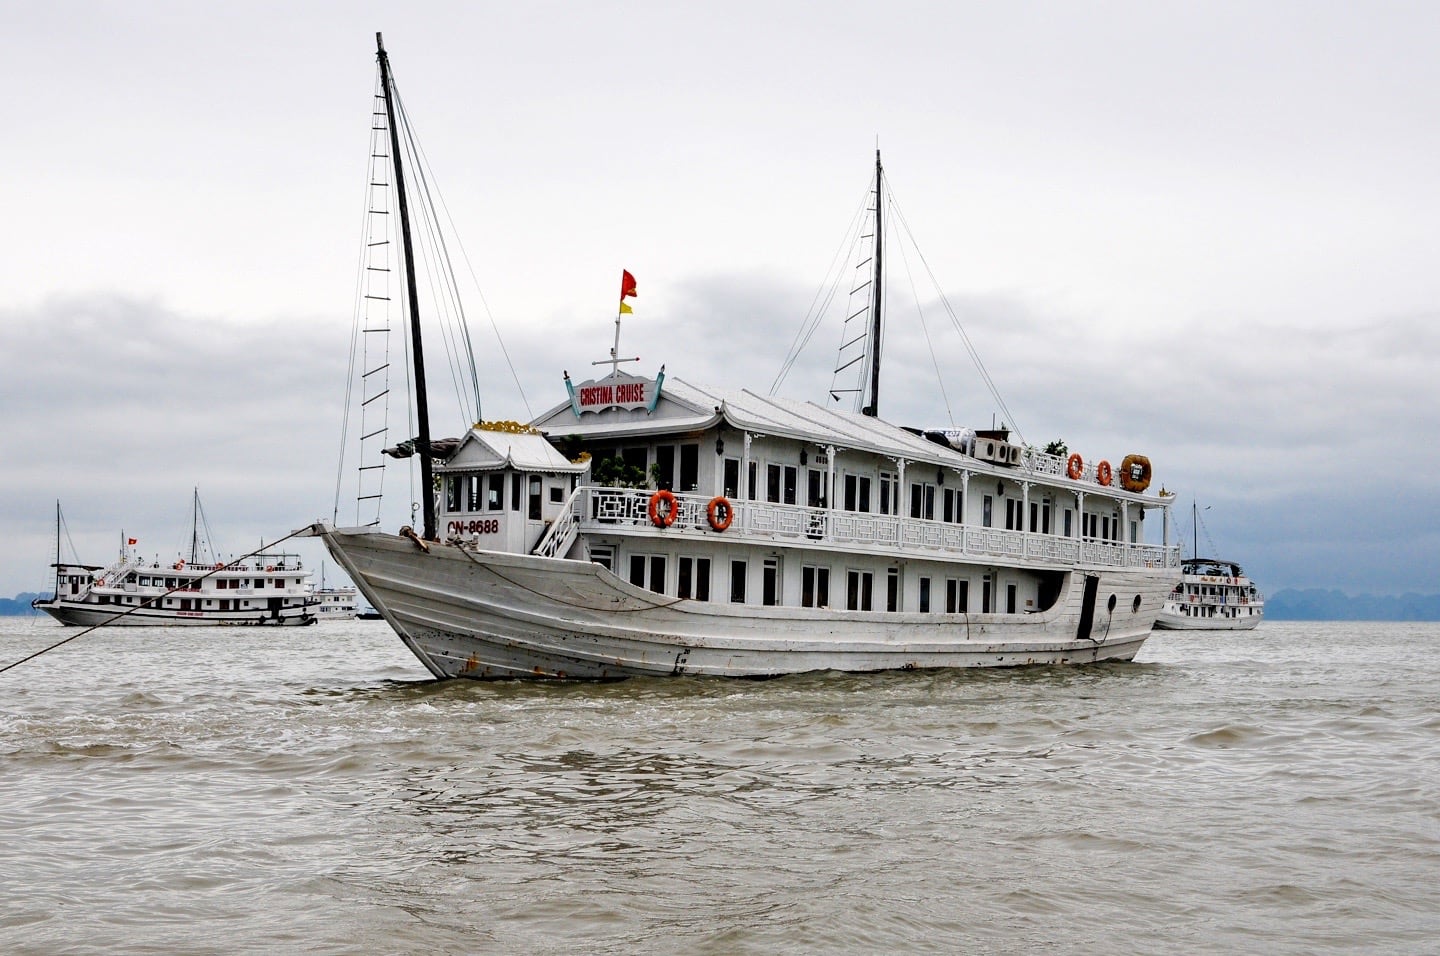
627,284
134,540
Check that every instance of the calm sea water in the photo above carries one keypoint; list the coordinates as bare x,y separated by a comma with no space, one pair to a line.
309,790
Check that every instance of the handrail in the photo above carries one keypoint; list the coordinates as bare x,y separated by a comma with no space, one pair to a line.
606,508
561,534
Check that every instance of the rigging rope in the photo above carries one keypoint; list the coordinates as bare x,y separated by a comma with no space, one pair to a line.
151,600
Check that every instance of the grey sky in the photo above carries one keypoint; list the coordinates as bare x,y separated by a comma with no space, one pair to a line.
1202,232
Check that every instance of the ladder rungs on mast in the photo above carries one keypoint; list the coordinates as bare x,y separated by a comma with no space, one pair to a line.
380,368
374,397
378,431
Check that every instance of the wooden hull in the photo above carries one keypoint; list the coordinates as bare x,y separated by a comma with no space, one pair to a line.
486,615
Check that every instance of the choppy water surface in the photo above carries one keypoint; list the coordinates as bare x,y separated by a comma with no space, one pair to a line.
170,790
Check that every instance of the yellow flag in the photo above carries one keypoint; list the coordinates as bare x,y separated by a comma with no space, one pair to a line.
625,307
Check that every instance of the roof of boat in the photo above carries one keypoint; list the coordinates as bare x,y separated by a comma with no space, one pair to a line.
486,450
684,407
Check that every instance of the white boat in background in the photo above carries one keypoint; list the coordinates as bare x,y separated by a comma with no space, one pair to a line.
264,589
1212,595
690,529
335,604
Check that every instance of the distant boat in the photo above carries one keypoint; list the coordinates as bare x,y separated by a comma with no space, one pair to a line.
335,604
758,536
265,589
1212,595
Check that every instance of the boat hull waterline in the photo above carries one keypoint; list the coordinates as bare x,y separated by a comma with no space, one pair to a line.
489,615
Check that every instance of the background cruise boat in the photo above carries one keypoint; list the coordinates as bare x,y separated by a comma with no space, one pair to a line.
335,604
1212,595
263,589
651,526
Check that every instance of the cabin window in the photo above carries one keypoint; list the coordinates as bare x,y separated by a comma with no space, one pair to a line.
1068,524
750,480
557,494
816,481
1045,516
922,500
985,596
857,493
924,595
770,582
1009,599
889,494
638,458
954,511
957,596
694,579
657,573
859,590
730,485
605,557
472,492
1034,516
495,492
665,467
792,478
1013,519
514,492
814,586
535,483
452,493
1134,532
637,570
892,589
689,467
772,483
987,513
737,582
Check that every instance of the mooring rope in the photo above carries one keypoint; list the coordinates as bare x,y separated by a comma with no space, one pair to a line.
151,600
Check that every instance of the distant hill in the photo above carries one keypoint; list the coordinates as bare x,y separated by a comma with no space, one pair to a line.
1321,605
20,604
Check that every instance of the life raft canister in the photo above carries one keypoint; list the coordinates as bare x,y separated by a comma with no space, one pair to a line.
719,512
1135,473
1103,473
1075,466
665,518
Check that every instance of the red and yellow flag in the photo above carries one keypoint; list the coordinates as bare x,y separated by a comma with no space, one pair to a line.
627,290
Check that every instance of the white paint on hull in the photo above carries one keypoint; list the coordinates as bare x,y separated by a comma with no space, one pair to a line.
490,614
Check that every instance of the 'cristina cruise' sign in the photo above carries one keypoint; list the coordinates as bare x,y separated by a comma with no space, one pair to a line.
617,390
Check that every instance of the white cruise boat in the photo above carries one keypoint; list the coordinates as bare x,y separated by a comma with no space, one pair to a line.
336,604
1212,596
262,589
701,530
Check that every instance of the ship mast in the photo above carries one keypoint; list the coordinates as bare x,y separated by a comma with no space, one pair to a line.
872,408
422,406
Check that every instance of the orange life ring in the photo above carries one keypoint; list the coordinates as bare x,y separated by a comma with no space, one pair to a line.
672,509
100,583
1135,473
218,565
179,564
1075,466
1103,474
720,512
270,568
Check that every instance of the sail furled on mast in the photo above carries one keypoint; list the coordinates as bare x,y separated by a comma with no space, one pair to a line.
857,366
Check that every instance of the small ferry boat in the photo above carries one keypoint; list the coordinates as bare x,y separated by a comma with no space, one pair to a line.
1212,595
336,604
654,526
264,589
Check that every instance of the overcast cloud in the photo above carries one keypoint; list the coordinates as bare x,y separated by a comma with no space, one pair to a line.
1204,233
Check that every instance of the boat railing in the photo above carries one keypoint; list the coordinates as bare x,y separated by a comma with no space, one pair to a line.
595,509
560,535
